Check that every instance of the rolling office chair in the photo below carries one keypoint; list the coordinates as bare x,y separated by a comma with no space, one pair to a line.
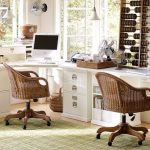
121,97
27,88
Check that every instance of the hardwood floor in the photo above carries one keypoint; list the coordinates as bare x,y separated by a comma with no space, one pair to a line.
54,115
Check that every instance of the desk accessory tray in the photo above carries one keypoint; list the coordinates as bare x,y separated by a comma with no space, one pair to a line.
94,65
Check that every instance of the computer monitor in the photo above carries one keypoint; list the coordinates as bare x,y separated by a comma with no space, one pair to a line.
46,46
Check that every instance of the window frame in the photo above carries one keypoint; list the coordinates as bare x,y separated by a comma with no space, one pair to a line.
65,25
18,9
103,31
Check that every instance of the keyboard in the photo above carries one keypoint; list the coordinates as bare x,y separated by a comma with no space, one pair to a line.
37,61
44,62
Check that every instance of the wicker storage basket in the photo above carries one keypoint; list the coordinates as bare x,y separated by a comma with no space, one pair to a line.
28,30
56,102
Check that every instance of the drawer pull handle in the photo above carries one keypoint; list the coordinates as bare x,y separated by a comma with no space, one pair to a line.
74,88
74,77
74,97
74,104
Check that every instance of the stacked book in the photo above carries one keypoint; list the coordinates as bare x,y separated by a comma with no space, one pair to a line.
23,41
98,102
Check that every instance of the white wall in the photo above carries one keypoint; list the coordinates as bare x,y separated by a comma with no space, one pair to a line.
47,18
47,22
30,17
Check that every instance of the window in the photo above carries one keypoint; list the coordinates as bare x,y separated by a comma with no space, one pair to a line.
113,19
77,26
79,33
9,29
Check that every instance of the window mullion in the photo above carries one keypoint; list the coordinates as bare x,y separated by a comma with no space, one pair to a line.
65,35
105,17
86,25
14,33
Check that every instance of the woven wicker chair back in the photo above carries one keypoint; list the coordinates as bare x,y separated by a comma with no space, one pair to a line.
23,86
121,97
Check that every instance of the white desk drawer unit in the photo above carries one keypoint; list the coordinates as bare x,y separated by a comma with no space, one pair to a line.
74,88
4,101
4,80
4,91
75,82
74,104
74,76
76,95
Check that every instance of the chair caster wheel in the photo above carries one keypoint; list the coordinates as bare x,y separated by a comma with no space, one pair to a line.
140,142
98,136
144,134
48,123
109,143
7,123
24,127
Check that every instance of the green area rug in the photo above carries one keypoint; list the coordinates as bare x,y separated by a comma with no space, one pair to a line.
61,135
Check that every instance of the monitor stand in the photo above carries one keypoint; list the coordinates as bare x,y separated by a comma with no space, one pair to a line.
47,60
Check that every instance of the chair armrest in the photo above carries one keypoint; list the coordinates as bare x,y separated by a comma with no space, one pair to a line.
28,73
144,90
25,76
43,79
34,79
32,86
37,80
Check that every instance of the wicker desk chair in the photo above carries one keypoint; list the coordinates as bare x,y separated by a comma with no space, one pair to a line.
27,88
121,97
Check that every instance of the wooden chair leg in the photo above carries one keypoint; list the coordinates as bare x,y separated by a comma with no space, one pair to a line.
143,129
26,114
18,115
107,129
137,134
41,112
25,120
19,111
123,128
42,116
114,134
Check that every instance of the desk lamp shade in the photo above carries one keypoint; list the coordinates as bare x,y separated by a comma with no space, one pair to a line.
9,14
95,15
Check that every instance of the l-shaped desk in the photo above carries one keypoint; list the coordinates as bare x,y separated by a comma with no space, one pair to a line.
79,89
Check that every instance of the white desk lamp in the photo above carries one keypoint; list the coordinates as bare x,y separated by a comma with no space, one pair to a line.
9,14
95,15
